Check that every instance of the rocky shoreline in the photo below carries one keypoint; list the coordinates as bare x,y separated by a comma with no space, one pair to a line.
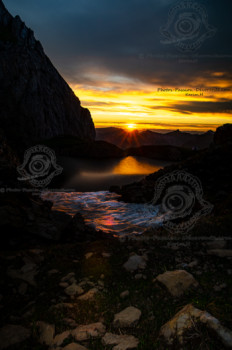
109,294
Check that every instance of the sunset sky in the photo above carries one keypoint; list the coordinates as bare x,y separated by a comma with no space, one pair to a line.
113,55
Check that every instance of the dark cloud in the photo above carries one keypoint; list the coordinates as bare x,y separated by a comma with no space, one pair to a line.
189,107
123,37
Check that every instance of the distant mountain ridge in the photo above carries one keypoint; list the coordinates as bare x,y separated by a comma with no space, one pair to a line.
35,101
127,139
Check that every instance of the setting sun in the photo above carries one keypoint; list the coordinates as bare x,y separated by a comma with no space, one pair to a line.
131,127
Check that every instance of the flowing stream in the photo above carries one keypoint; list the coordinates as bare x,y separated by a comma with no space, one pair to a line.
103,211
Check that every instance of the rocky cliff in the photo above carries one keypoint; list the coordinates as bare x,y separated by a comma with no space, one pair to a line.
35,101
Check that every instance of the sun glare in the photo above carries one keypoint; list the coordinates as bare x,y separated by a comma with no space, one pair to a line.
131,127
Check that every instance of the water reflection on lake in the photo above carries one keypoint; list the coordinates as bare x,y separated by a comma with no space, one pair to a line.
100,174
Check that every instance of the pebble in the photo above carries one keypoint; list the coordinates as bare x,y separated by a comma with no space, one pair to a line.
124,294
106,255
84,332
88,255
89,295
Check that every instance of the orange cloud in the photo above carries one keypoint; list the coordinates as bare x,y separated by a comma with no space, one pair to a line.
117,101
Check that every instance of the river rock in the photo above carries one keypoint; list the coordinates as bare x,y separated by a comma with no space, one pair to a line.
46,333
184,321
85,332
134,263
89,295
127,318
12,335
74,289
177,282
122,342
59,338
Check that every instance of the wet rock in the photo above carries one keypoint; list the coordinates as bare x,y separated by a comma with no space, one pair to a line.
127,318
185,320
89,295
134,263
85,332
122,342
177,282
46,333
59,338
12,335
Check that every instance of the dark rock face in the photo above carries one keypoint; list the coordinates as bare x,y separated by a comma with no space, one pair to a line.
27,219
223,134
36,103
